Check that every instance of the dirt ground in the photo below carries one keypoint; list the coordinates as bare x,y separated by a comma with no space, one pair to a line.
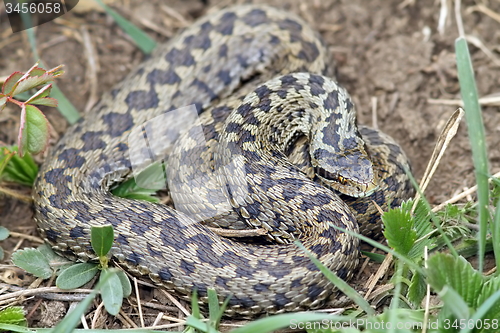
390,56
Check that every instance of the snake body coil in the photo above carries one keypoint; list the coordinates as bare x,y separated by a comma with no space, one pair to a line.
259,80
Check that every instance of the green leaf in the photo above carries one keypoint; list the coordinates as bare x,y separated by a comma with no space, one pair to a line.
454,302
76,275
486,311
125,282
101,238
111,295
490,287
399,230
13,315
4,233
72,319
21,170
456,273
34,133
151,180
417,289
32,261
56,261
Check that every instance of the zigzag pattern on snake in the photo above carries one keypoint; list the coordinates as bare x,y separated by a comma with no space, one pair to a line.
259,78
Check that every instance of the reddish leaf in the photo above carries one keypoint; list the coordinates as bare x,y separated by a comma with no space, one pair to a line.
56,71
44,92
46,101
10,84
30,82
36,71
3,100
34,130
22,135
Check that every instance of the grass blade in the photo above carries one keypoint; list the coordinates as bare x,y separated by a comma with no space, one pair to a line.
339,283
288,320
477,139
141,39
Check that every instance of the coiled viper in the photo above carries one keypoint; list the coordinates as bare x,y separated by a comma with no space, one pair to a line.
276,68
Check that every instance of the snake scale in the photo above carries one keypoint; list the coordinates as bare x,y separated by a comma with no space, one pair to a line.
259,79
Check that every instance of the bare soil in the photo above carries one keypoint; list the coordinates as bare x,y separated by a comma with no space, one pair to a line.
389,56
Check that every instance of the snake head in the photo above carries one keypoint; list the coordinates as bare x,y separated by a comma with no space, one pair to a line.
350,173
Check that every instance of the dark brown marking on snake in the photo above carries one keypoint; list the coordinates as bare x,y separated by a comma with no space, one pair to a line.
343,273
226,25
290,193
72,158
154,252
243,61
225,77
316,85
201,40
254,208
262,92
204,88
178,57
120,122
265,104
290,25
122,239
54,175
259,288
93,141
165,274
159,76
314,291
309,51
135,258
56,201
207,68
115,92
78,232
139,100
223,51
52,235
281,299
187,266
247,136
121,147
255,17
331,102
233,127
288,81
221,281
274,40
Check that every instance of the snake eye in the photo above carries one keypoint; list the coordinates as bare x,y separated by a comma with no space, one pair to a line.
330,176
